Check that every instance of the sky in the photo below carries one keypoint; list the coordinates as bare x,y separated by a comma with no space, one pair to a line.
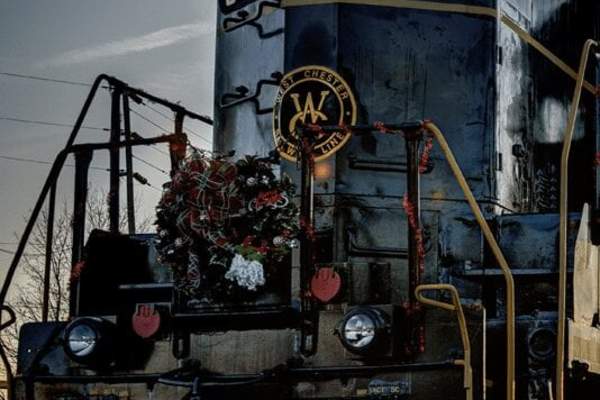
165,48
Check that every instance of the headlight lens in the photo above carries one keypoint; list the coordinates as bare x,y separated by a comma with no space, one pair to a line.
359,330
82,340
365,331
90,340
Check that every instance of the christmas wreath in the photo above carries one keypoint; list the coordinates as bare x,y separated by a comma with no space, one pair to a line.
225,228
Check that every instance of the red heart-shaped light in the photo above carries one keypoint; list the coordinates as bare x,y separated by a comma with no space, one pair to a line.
146,321
325,284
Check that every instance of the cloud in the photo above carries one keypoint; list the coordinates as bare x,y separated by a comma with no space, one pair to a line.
150,41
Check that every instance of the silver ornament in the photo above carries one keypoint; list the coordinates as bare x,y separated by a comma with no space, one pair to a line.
251,181
278,240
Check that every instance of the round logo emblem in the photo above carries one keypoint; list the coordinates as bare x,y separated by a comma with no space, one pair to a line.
312,95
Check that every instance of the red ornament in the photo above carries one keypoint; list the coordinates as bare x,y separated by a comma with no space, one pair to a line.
267,199
146,321
248,241
325,284
424,161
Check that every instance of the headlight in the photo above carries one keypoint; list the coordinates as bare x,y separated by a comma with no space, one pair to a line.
365,330
82,340
89,340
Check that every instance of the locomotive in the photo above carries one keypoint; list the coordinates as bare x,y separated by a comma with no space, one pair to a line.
444,161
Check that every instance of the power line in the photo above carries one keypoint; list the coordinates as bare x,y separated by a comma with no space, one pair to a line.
153,187
172,120
33,161
153,124
162,128
41,78
5,251
136,135
75,83
158,112
29,160
47,123
150,164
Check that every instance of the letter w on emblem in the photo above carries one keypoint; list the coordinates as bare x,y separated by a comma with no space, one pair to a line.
309,109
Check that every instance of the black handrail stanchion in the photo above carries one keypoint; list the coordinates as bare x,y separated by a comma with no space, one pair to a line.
115,172
416,339
413,195
48,260
83,160
129,166
307,261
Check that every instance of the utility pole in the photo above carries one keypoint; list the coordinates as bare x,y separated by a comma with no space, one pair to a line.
115,137
129,166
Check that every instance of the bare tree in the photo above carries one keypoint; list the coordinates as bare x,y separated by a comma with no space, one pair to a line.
27,300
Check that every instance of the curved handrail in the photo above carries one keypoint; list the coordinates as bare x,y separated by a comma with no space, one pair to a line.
491,241
11,313
562,240
462,326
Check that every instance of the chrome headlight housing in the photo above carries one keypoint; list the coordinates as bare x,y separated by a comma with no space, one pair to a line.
365,330
90,340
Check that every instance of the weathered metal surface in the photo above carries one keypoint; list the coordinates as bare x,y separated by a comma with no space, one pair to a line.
242,59
502,106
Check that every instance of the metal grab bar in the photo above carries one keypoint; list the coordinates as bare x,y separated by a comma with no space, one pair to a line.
357,250
462,326
491,241
564,187
243,18
229,100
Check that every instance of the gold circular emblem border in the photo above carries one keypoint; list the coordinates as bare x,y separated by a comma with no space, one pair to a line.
277,108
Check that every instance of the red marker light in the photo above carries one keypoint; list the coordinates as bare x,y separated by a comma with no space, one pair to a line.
325,284
146,321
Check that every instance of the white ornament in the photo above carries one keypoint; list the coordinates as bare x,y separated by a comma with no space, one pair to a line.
251,181
246,273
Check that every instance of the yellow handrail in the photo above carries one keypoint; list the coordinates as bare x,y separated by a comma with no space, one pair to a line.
462,326
491,240
564,186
